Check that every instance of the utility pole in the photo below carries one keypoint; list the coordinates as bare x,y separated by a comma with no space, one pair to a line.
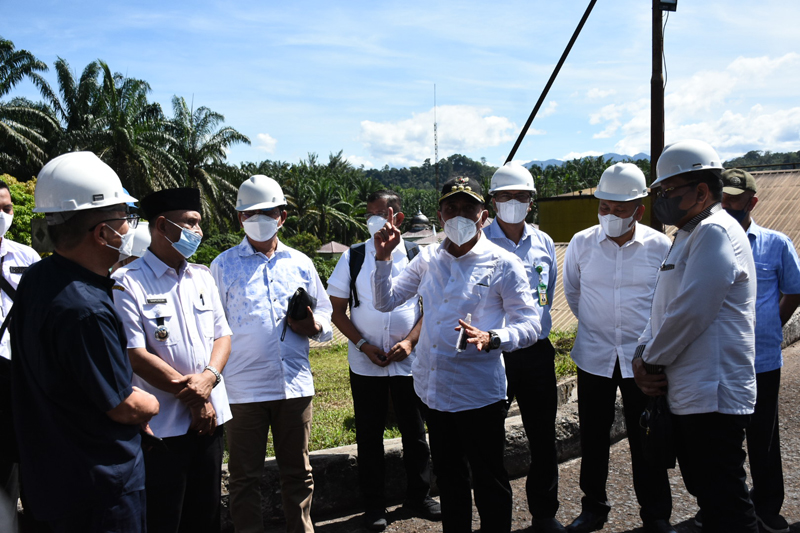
656,102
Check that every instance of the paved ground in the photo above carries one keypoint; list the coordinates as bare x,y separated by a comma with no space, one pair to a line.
624,515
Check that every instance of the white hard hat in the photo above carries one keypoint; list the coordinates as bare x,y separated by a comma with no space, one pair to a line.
512,177
686,156
141,239
76,181
259,192
621,183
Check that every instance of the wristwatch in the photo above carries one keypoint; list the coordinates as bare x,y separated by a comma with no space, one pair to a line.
217,375
360,343
494,341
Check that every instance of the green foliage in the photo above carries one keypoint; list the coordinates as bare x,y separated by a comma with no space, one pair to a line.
563,340
215,245
324,268
304,242
22,198
776,161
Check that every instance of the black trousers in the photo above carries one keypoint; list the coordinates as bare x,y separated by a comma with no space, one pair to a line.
532,381
764,447
471,440
371,404
596,398
711,457
183,484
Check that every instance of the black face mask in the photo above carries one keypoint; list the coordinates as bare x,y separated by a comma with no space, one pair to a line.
667,211
738,214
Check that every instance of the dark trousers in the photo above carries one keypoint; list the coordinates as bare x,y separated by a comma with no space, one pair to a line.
471,440
764,447
9,494
532,381
596,398
126,515
711,457
371,405
183,484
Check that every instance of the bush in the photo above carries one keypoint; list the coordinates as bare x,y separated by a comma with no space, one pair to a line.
215,245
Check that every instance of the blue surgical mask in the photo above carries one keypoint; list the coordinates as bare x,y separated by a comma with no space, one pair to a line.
188,243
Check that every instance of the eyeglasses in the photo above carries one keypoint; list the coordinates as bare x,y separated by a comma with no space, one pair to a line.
368,216
523,197
272,213
133,221
663,193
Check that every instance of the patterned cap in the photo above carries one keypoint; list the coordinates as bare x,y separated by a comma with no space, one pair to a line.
462,184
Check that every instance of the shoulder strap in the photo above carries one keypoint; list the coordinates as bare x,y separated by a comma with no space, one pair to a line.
4,284
357,254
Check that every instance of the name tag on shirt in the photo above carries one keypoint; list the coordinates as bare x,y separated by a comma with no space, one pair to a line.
17,269
667,267
156,300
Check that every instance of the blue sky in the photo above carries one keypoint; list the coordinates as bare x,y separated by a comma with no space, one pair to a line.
300,77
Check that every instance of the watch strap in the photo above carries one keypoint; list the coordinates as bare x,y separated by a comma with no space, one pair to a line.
217,375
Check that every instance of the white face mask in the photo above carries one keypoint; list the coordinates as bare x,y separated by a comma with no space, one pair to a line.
512,211
460,230
374,224
260,228
126,246
613,226
5,222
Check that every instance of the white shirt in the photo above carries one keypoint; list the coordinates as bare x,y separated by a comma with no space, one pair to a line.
15,258
383,330
535,248
255,292
701,327
149,293
488,282
609,289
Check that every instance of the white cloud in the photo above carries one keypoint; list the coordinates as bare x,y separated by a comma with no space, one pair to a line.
265,143
549,109
577,155
595,93
461,129
357,161
534,131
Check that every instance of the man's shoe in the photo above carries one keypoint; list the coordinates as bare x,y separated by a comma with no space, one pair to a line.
428,508
658,526
773,523
587,521
698,519
375,520
547,525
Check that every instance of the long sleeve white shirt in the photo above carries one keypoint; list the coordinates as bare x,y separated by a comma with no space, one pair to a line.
487,282
149,294
15,258
255,292
702,324
383,330
609,289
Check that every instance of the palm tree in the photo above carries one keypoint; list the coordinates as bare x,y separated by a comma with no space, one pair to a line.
202,146
15,65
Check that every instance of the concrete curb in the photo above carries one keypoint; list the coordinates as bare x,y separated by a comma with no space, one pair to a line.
336,489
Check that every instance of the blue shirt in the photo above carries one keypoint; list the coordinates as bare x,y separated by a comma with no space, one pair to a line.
535,248
70,368
778,272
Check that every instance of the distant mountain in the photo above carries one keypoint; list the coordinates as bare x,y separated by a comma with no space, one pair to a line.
611,156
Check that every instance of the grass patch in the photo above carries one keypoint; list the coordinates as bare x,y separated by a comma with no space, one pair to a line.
334,424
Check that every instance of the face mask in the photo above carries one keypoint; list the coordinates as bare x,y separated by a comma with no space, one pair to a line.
188,243
126,246
5,222
512,211
260,228
613,226
460,230
738,214
667,210
374,224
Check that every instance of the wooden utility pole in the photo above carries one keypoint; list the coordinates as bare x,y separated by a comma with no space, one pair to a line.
656,101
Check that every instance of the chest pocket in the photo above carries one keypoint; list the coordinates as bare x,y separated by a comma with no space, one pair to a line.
156,317
205,315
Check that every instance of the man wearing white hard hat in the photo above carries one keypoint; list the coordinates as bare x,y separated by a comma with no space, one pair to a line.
77,416
530,371
698,347
609,274
269,379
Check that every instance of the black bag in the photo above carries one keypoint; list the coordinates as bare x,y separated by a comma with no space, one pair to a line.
298,303
655,428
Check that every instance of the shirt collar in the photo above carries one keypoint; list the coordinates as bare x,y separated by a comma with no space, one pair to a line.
246,249
702,215
3,246
752,232
479,248
638,236
83,273
158,266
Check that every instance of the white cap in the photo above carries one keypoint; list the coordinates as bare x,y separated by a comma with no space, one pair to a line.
686,156
622,182
512,177
259,192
